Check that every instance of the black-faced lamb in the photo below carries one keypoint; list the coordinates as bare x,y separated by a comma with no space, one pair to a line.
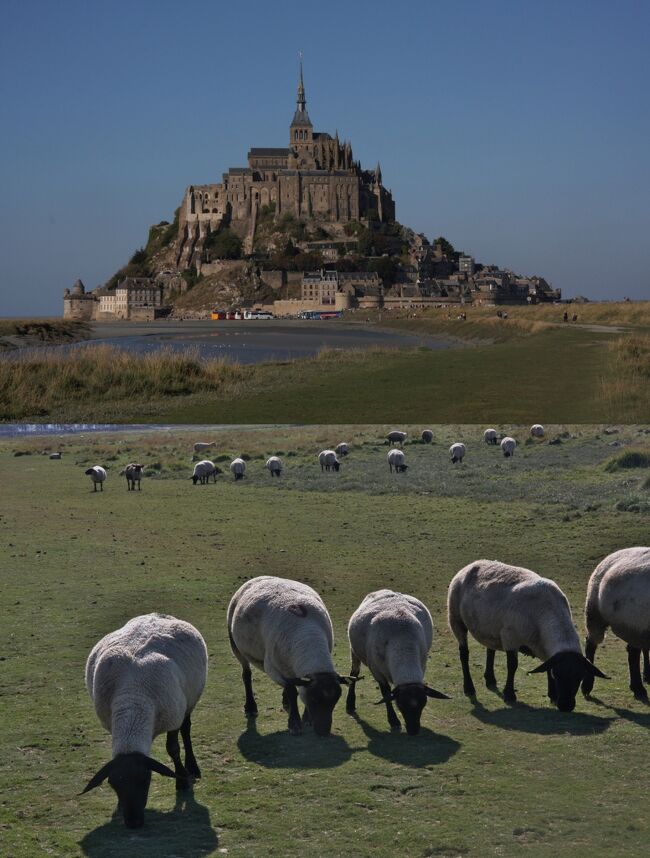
490,436
97,476
342,449
145,679
328,460
397,461
426,436
515,610
457,453
537,430
202,472
238,468
508,446
133,474
618,597
283,628
391,633
274,465
396,437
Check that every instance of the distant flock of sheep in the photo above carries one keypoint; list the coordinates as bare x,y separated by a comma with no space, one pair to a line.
147,677
328,459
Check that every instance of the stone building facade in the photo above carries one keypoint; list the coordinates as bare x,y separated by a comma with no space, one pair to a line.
315,176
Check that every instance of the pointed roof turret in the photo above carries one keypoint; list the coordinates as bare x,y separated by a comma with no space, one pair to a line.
378,173
301,117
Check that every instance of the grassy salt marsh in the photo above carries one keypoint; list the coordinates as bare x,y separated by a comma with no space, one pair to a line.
483,779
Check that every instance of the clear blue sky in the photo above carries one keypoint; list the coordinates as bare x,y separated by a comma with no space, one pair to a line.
519,130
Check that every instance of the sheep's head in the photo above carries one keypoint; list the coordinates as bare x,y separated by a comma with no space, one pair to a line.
130,777
320,692
411,699
567,670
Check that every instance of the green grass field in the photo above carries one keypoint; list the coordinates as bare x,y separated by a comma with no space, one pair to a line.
482,779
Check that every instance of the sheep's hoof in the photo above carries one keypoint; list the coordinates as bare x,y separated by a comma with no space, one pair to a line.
183,784
295,730
469,690
490,682
250,713
351,710
509,697
640,693
395,728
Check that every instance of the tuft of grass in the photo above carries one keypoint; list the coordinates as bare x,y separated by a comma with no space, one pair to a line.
629,459
633,503
626,387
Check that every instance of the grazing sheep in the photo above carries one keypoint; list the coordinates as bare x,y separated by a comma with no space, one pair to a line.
397,460
490,436
274,464
391,633
618,595
328,460
145,679
200,446
537,430
426,436
457,451
342,449
55,455
97,476
283,628
203,471
396,437
508,445
513,609
133,474
238,468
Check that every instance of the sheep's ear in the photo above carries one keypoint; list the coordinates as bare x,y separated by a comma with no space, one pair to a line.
545,665
99,778
431,692
593,670
386,699
301,680
348,680
159,768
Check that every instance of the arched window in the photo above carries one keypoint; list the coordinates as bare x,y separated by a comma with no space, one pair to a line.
295,135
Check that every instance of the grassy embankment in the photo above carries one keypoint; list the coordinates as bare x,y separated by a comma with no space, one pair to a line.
15,333
482,778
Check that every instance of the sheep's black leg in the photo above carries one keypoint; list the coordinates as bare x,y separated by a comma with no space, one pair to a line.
509,690
468,685
490,678
646,666
190,760
306,717
351,699
552,690
290,703
588,680
250,707
393,720
634,663
174,751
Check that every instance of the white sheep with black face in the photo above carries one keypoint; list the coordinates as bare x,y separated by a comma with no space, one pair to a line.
396,437
397,461
426,436
342,449
513,609
202,472
133,474
97,476
145,679
457,452
490,436
537,430
328,460
391,633
618,597
274,465
508,446
238,468
284,629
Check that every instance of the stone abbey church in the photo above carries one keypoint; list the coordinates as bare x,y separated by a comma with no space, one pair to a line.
315,176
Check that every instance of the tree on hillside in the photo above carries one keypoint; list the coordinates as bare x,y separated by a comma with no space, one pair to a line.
224,245
446,246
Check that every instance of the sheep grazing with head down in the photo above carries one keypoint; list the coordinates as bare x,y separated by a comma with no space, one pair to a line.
238,468
203,471
200,446
508,446
97,476
283,628
145,679
133,474
396,437
513,609
490,436
537,430
457,453
397,461
391,633
274,465
426,436
618,597
328,460
342,449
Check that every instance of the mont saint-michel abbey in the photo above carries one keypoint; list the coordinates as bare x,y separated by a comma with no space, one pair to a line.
315,176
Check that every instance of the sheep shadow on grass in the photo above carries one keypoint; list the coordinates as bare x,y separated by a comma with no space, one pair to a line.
186,830
546,720
640,718
425,749
282,750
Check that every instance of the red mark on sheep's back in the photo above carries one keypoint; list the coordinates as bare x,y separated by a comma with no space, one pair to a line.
298,610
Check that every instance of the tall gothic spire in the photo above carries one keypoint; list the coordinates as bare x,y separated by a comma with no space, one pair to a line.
301,117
